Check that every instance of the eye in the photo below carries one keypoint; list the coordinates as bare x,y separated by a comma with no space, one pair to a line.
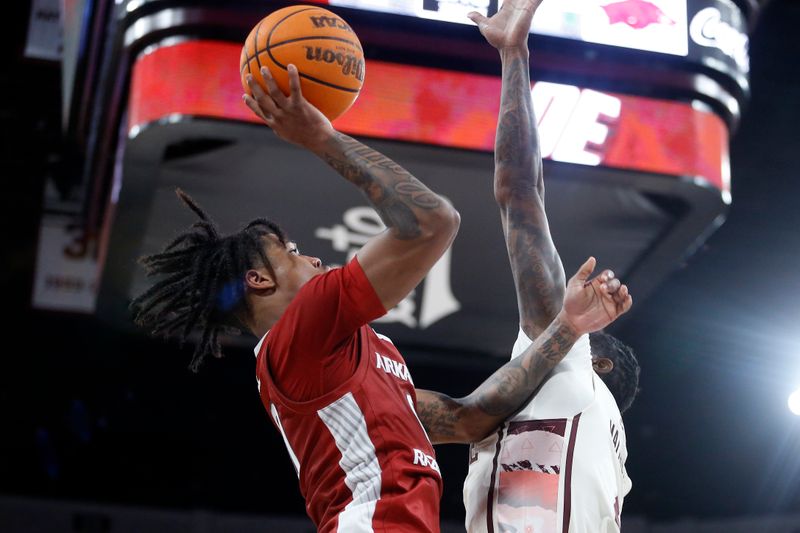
294,251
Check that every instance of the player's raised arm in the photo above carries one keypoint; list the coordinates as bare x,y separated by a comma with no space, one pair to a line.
420,224
518,184
588,306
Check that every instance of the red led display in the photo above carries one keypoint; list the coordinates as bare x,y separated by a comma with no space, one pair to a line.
454,109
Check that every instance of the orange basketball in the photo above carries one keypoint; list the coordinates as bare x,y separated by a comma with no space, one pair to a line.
322,46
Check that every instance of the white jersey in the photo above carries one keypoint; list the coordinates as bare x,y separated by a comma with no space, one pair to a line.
558,465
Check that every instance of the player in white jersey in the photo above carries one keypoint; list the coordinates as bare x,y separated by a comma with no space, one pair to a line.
558,465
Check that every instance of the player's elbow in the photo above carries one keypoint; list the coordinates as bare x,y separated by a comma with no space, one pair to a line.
508,190
441,224
454,221
450,219
502,192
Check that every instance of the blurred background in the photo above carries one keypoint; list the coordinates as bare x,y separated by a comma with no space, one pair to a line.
671,134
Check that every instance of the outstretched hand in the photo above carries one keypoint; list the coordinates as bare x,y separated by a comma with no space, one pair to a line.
592,304
291,117
509,27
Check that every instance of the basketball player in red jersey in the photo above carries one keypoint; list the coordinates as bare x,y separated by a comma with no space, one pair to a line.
557,464
340,395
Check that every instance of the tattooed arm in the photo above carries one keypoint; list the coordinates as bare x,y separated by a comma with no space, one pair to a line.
518,184
474,417
421,225
588,306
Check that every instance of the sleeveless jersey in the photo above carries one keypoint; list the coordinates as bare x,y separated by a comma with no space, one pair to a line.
343,400
558,465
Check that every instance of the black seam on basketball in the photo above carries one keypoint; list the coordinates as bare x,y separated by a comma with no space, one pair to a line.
255,39
255,45
279,64
248,59
278,23
269,36
246,63
311,38
311,78
323,82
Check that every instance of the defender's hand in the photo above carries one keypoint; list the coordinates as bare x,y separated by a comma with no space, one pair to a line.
591,305
292,117
509,27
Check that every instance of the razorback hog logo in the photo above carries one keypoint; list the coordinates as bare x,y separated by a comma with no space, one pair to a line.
330,22
351,65
637,14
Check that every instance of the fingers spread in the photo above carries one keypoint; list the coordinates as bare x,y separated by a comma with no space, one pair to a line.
263,101
295,92
255,88
251,103
274,91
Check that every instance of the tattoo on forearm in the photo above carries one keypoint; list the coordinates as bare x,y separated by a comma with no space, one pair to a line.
439,414
538,272
391,189
471,418
516,134
507,389
536,266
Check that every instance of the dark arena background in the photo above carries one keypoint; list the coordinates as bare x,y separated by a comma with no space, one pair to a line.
671,131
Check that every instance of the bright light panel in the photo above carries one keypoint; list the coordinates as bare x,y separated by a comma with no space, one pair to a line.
794,402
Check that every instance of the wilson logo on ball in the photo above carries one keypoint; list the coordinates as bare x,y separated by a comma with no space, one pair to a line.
351,65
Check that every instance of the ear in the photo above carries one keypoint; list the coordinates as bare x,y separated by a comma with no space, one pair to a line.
602,365
259,280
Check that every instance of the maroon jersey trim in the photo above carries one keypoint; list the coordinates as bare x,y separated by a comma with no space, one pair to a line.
492,481
568,473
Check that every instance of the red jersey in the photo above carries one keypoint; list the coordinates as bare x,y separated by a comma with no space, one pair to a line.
343,400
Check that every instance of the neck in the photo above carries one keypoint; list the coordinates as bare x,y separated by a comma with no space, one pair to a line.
265,312
259,328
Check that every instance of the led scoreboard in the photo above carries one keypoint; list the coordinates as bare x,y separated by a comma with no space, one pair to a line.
635,101
653,25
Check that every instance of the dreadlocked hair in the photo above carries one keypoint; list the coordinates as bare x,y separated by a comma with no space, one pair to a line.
202,282
623,380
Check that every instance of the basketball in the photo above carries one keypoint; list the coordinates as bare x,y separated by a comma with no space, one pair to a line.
322,46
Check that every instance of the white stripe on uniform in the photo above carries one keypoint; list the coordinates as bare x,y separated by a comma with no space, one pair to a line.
277,419
359,462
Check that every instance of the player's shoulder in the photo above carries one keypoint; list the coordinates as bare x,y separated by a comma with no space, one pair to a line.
606,398
311,294
380,336
382,345
580,351
347,277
